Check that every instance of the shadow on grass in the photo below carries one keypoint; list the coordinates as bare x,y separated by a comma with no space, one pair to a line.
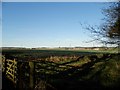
55,76
71,78
7,84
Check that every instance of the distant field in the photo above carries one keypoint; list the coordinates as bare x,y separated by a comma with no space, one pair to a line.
51,52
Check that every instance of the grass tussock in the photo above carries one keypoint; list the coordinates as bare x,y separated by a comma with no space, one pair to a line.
106,72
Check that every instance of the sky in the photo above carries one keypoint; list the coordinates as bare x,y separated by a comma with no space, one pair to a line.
49,24
59,0
0,24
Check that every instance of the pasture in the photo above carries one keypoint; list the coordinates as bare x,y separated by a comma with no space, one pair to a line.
64,69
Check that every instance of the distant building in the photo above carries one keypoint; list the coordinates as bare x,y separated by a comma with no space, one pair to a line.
96,49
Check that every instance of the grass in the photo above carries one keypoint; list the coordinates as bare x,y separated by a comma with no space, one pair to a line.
101,69
110,75
106,72
74,69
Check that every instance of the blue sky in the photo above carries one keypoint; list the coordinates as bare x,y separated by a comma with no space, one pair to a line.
59,0
49,24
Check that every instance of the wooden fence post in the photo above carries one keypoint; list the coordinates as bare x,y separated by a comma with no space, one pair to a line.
15,71
31,65
5,66
19,75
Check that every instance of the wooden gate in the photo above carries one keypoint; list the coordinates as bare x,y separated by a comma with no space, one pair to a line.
11,70
25,75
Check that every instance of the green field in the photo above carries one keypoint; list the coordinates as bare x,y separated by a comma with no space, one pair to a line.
72,69
43,53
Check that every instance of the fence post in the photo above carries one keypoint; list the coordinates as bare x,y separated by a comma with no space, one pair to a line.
5,67
31,65
19,75
15,70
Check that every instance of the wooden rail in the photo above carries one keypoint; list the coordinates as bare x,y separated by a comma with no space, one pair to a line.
21,73
31,75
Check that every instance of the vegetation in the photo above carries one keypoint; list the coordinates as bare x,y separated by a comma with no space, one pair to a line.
69,69
109,31
44,53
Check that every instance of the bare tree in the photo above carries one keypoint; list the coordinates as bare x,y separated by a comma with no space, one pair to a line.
109,31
